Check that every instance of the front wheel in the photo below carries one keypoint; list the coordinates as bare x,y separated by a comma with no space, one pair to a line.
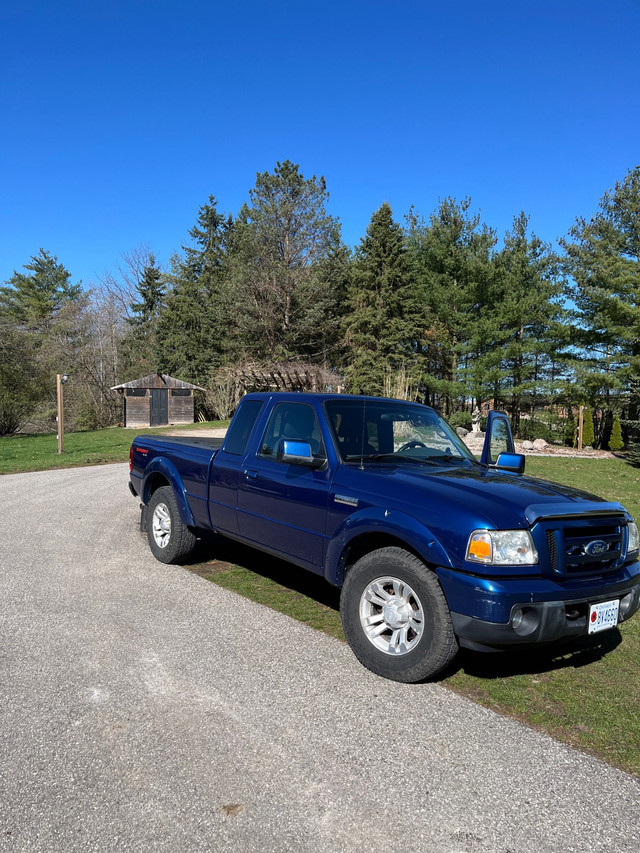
170,540
395,616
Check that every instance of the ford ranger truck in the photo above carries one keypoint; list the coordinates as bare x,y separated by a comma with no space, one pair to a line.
432,548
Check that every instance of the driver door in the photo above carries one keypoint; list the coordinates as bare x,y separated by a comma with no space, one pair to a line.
282,505
498,438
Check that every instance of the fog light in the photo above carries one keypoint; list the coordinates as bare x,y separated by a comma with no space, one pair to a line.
629,603
525,620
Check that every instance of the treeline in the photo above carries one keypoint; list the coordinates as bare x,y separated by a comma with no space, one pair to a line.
430,308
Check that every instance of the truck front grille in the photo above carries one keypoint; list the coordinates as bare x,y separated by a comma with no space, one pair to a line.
585,547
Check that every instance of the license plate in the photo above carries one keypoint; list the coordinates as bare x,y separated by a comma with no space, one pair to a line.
603,615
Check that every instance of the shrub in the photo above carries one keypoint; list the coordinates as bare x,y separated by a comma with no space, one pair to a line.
570,431
615,439
531,429
460,419
588,434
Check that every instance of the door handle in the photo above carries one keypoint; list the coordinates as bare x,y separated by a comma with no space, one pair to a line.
250,475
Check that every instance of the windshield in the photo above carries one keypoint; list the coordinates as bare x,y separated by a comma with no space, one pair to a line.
390,430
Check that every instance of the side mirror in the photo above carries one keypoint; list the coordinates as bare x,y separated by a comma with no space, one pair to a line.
511,462
297,453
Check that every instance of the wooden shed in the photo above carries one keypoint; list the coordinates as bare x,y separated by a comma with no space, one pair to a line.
157,400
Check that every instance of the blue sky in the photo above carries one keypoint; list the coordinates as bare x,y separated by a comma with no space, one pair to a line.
119,119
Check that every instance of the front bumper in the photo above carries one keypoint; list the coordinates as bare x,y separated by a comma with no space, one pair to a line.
483,611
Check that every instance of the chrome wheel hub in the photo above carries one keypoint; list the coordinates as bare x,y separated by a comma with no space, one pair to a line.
396,613
391,616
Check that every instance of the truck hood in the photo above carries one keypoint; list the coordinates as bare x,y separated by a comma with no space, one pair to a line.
479,496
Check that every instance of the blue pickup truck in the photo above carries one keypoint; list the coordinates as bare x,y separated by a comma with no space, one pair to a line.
432,548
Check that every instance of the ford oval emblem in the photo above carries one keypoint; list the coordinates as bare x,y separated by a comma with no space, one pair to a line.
595,548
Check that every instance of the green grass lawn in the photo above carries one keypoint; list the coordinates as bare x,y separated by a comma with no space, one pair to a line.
40,452
586,694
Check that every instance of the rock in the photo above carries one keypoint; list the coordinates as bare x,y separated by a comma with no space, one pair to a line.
527,445
540,444
462,431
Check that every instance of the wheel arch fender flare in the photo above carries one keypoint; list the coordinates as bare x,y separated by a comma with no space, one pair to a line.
379,521
165,468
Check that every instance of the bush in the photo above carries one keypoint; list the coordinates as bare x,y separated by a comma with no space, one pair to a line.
615,439
569,431
530,429
588,434
460,419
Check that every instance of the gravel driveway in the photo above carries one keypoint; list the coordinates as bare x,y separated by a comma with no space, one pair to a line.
143,708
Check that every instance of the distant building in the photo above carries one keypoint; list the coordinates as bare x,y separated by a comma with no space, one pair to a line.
157,400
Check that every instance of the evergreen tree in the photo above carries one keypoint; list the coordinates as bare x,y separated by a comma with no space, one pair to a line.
191,328
383,316
603,260
451,264
527,335
33,300
286,268
23,382
40,316
151,290
140,343
615,440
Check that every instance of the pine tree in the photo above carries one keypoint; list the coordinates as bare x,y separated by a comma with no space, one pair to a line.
23,382
41,314
151,290
33,300
140,342
191,331
525,305
287,268
450,261
382,321
603,260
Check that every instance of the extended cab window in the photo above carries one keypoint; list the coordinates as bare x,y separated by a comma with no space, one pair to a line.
296,421
240,430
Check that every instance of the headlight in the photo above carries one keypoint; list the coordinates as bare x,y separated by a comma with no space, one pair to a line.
502,548
634,539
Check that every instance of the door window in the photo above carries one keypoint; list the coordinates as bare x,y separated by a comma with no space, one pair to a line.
296,421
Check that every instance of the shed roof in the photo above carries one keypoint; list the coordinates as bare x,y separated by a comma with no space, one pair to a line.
157,380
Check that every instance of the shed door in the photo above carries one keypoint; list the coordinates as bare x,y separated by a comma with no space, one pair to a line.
159,407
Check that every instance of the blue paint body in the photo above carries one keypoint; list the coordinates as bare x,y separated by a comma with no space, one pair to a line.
323,516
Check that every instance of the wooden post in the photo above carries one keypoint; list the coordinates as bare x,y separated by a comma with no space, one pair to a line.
580,423
59,384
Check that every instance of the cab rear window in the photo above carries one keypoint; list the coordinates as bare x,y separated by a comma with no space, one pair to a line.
240,430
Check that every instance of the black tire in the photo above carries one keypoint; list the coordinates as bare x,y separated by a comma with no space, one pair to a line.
411,638
170,540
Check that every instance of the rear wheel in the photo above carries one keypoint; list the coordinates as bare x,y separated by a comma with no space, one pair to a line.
170,540
395,616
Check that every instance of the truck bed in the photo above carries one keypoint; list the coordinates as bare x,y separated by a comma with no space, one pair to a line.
212,443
